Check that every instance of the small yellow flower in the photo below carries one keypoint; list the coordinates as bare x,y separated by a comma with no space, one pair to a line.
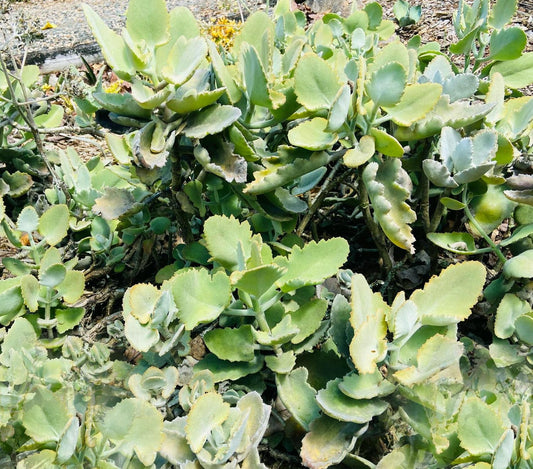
114,87
49,25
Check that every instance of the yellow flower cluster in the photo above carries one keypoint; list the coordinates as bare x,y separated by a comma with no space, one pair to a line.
114,87
222,31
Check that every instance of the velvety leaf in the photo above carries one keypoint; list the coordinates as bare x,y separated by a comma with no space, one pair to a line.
175,447
312,135
281,333
47,414
361,152
53,118
19,183
146,97
480,428
200,297
438,354
389,186
211,120
141,337
524,328
185,57
21,335
258,414
387,84
191,100
341,407
504,450
218,158
234,345
141,301
114,49
134,426
315,83
53,224
447,299
415,103
298,396
501,13
123,104
42,459
224,77
28,220
312,264
328,442
228,241
69,440
114,203
339,109
369,344
53,275
281,364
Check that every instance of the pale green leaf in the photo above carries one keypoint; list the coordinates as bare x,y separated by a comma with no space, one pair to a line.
447,299
255,80
44,459
315,83
211,120
516,73
281,364
114,49
200,297
224,370
68,318
134,426
361,152
341,407
298,396
114,203
208,412
386,143
71,288
223,75
147,24
53,275
501,13
312,264
369,344
185,57
389,187
53,224
328,442
47,415
366,386
509,310
480,428
504,451
141,301
387,84
507,44
29,286
69,440
141,337
52,118
416,102
312,135
256,281
307,318
339,109
459,243
11,301
228,241
28,220
524,329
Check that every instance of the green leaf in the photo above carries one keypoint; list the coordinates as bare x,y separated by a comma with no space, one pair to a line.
41,460
452,204
53,118
366,386
29,286
516,73
123,104
387,84
185,57
501,13
134,426
281,333
315,83
439,354
328,442
298,396
147,24
520,266
361,152
223,75
507,44
255,80
281,364
28,220
389,186
234,345
208,412
504,451
256,281
53,275
142,337
459,243
339,109
21,335
53,224
47,415
416,102
186,101
223,370
341,407
524,328
141,301
307,318
228,241
68,318
200,297
312,264
386,143
312,135
19,183
211,120
114,49
72,286
509,310
447,299
114,203
480,428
